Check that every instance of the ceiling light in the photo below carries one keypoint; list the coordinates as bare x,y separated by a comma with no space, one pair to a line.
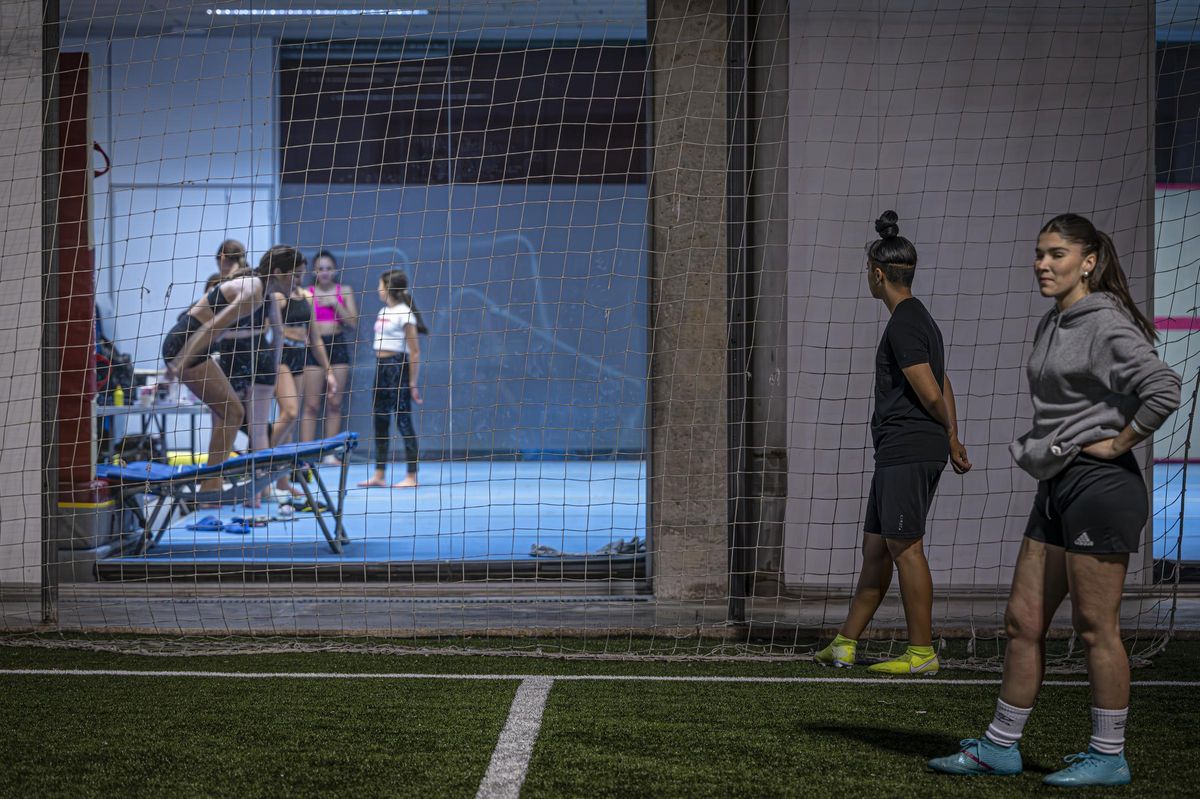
318,12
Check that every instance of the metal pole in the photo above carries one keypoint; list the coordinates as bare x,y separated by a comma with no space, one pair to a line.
51,354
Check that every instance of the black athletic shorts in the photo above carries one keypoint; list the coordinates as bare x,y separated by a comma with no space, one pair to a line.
1094,505
247,360
295,358
900,498
178,335
336,347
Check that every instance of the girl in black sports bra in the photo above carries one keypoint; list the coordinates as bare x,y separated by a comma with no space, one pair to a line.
201,329
302,344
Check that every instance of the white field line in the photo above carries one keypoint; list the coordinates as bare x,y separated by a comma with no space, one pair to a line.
321,675
510,760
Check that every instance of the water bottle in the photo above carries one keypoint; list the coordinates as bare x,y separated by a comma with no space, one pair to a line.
118,396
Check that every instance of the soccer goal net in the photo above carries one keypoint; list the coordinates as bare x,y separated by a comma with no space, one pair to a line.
545,327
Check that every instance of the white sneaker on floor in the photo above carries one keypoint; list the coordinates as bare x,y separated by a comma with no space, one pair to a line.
282,496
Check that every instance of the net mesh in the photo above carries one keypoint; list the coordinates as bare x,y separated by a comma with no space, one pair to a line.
634,237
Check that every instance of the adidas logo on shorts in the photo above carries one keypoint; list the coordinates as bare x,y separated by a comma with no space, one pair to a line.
1083,540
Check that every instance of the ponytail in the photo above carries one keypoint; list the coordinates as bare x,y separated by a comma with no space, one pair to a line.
235,251
1107,276
408,300
396,283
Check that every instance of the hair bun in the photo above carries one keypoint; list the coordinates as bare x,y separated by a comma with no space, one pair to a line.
886,225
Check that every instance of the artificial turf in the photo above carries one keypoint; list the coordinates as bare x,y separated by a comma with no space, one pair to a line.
84,736
671,739
180,736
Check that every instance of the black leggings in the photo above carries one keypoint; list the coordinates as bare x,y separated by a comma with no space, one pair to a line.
392,396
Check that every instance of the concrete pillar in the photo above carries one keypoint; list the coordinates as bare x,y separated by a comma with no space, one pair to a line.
688,485
21,309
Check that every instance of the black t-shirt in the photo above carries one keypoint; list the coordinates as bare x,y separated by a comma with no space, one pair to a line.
903,431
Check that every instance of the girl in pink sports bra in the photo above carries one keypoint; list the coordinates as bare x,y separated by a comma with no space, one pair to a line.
335,318
328,313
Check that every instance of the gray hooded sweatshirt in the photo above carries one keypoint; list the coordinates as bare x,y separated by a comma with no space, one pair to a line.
1091,373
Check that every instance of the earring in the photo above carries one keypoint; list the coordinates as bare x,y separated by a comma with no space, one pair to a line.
1086,275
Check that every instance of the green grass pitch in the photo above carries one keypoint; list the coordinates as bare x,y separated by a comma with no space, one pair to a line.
188,736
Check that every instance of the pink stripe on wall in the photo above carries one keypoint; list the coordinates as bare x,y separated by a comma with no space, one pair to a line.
1177,322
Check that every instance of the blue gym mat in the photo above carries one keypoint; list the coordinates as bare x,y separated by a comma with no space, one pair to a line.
461,512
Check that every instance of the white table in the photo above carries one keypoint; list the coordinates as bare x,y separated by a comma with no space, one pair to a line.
151,415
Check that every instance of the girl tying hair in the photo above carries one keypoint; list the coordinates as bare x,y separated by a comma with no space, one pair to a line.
397,363
1098,390
242,299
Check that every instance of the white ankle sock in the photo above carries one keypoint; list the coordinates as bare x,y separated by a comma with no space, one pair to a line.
1108,730
1007,724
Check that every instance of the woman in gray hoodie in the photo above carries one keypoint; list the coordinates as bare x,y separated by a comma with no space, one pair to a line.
1098,389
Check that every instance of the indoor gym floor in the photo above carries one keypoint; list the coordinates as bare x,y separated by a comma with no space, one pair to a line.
462,511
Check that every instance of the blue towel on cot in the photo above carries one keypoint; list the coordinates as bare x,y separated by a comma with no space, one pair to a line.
146,472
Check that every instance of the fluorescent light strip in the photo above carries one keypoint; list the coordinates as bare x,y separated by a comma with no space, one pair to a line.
318,12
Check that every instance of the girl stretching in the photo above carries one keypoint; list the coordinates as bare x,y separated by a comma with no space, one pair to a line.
188,346
397,363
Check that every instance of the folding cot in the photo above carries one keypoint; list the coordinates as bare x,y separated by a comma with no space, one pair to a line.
176,488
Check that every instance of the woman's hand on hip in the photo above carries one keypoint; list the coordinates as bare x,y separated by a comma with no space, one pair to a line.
1106,449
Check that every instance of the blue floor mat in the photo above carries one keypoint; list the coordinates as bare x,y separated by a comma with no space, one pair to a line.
461,512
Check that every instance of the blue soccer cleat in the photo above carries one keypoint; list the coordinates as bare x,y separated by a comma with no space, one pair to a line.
979,756
1091,768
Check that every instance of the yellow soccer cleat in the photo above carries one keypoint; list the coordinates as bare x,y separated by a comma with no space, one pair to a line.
839,653
915,660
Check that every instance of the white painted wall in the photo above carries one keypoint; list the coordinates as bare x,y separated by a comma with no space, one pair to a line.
189,124
976,124
20,300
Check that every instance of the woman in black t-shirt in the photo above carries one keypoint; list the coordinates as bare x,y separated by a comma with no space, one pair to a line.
914,432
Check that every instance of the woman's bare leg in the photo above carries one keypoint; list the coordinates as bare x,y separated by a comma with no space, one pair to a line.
258,416
916,588
1096,584
313,388
287,396
1038,588
873,583
333,400
211,386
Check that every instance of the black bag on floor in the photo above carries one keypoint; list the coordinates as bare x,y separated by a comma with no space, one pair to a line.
141,447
